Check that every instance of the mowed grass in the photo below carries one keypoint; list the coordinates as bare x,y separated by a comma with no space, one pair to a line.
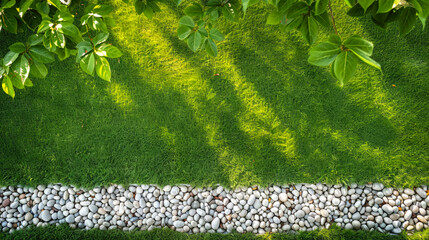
267,118
65,232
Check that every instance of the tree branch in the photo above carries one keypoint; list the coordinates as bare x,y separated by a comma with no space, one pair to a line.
332,18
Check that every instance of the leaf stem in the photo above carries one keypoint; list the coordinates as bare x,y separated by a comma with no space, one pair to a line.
332,18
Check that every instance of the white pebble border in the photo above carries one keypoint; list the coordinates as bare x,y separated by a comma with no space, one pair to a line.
299,207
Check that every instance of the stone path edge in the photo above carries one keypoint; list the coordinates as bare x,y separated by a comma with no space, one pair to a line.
286,208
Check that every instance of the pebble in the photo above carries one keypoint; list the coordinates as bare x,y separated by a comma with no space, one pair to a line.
259,210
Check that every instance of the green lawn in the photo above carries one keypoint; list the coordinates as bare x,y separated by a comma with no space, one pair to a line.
64,232
269,117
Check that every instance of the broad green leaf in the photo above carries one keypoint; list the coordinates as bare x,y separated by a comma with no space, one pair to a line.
321,6
35,39
356,11
88,64
356,42
229,13
44,25
72,31
309,30
422,7
323,54
100,38
194,41
323,19
24,6
102,9
140,6
216,35
102,68
248,3
62,53
9,58
407,20
178,2
41,54
148,12
21,67
64,16
350,3
385,5
345,66
335,39
292,23
274,18
16,80
365,58
17,47
58,39
211,47
7,4
186,21
8,87
183,32
194,10
28,83
297,9
214,15
365,3
109,51
38,70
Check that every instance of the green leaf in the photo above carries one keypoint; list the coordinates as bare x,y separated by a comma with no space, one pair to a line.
309,30
148,12
109,51
21,67
216,35
297,9
28,83
365,3
214,15
100,38
178,2
41,54
183,32
365,58
16,80
229,13
321,6
7,4
8,87
186,21
211,47
274,18
24,6
9,58
407,20
102,9
58,39
248,3
356,42
385,5
194,41
356,11
17,47
38,70
44,25
323,54
323,19
335,39
345,66
102,68
88,64
194,10
140,6
292,23
350,3
72,31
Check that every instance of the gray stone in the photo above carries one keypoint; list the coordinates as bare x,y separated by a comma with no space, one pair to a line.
45,216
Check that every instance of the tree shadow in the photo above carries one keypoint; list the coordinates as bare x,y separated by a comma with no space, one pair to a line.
77,129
